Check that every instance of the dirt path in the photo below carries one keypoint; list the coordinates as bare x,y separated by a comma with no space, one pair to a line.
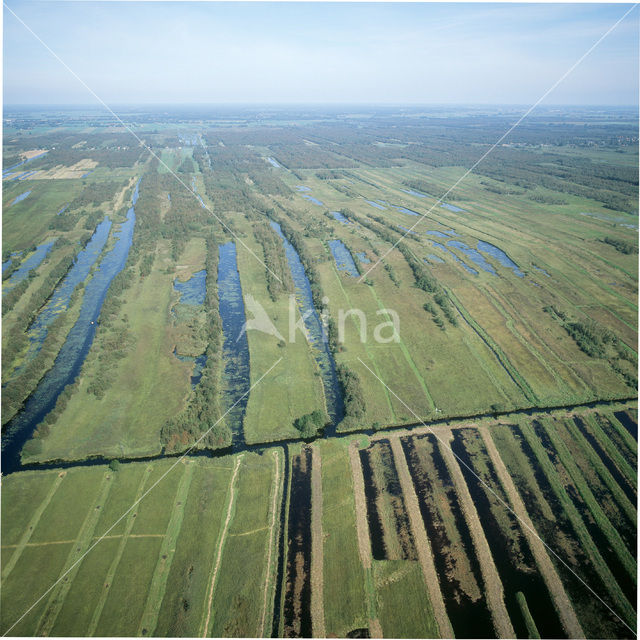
422,541
31,527
82,543
317,555
492,584
155,594
549,574
223,534
108,580
364,542
274,521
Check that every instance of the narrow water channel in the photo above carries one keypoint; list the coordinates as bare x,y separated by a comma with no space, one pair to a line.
315,334
235,350
69,360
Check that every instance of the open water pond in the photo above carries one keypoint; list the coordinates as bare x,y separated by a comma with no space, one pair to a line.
451,207
405,210
7,263
21,197
454,256
433,258
343,258
473,255
71,356
301,187
316,334
199,363
195,190
541,270
500,256
339,217
375,204
362,256
32,262
235,349
314,200
411,192
273,162
193,290
8,170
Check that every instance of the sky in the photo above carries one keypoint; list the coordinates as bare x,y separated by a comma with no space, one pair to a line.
311,52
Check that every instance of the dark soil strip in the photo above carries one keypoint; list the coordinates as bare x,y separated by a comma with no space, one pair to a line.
628,422
597,620
277,598
297,599
626,582
378,548
516,566
617,439
617,475
469,618
388,484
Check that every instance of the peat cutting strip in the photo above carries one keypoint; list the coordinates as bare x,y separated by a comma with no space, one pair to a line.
521,577
470,618
297,598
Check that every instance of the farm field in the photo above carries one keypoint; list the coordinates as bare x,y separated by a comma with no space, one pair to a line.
274,380
343,535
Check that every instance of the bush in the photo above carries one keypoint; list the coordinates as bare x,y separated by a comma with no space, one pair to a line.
309,424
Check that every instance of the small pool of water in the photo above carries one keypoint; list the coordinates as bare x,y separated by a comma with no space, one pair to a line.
541,270
473,255
7,263
301,187
454,256
273,162
63,209
362,256
195,190
433,258
314,200
375,204
199,363
411,192
27,175
451,207
405,210
500,256
32,262
21,197
339,217
438,234
193,290
407,230
343,258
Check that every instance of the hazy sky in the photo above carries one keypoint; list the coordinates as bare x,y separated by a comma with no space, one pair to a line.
134,52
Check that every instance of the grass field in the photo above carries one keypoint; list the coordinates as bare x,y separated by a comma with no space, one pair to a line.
121,423
516,303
